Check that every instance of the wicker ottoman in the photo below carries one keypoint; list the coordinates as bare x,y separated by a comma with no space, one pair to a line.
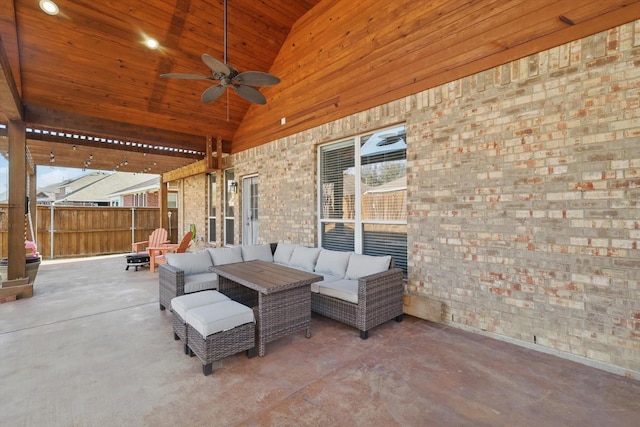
219,330
183,303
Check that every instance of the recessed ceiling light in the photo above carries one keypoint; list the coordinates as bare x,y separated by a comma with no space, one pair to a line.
152,43
49,7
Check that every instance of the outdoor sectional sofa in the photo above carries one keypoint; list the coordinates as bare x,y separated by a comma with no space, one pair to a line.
358,290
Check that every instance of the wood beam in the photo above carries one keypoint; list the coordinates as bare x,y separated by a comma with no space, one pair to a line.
115,144
76,123
10,101
192,169
17,185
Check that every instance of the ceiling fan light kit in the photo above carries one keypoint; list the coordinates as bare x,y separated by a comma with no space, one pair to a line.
228,76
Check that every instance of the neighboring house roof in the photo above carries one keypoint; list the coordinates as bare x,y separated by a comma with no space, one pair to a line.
96,187
54,192
148,185
71,185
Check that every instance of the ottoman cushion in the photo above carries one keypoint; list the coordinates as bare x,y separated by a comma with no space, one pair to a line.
180,305
217,317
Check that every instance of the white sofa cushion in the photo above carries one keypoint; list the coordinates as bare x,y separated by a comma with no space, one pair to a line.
222,256
259,252
326,278
283,253
183,303
304,258
344,289
200,282
190,262
364,265
217,317
332,262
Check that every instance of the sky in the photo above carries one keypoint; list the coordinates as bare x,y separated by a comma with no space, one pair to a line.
45,175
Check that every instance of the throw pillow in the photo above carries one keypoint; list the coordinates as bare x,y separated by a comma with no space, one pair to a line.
364,265
332,262
222,256
190,262
259,252
283,253
304,258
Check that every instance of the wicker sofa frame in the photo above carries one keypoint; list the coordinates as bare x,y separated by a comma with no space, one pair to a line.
171,284
380,298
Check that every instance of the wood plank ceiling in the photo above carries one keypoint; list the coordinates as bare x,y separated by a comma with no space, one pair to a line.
87,72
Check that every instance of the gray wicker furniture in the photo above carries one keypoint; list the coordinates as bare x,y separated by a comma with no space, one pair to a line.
379,300
171,284
182,304
359,290
283,296
220,330
189,272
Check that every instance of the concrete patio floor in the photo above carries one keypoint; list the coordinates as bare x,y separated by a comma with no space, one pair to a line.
91,348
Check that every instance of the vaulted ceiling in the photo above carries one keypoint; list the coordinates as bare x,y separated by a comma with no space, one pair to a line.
87,73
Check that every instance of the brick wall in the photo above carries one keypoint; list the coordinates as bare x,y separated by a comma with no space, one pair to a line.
153,200
523,189
523,186
193,203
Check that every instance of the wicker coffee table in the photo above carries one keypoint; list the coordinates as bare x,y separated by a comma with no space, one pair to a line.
281,295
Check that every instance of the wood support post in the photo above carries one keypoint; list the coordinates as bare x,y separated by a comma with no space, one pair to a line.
164,211
209,152
218,164
32,232
16,264
211,162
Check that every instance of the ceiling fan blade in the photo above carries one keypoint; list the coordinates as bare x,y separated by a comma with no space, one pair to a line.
216,66
185,76
212,94
256,78
250,94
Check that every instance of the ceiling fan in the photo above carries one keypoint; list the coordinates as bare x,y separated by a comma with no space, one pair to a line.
228,76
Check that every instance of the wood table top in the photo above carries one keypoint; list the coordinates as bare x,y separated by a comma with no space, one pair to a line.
265,277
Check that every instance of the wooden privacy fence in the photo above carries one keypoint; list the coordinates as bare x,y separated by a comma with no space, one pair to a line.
73,231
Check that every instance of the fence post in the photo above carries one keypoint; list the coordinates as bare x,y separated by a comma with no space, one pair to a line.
51,231
133,226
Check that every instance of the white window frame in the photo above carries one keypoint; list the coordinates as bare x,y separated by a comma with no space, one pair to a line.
358,222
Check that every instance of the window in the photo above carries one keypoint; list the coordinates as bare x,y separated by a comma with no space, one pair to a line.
140,200
172,200
363,195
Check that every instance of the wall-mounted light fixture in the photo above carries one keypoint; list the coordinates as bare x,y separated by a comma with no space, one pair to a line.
233,187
